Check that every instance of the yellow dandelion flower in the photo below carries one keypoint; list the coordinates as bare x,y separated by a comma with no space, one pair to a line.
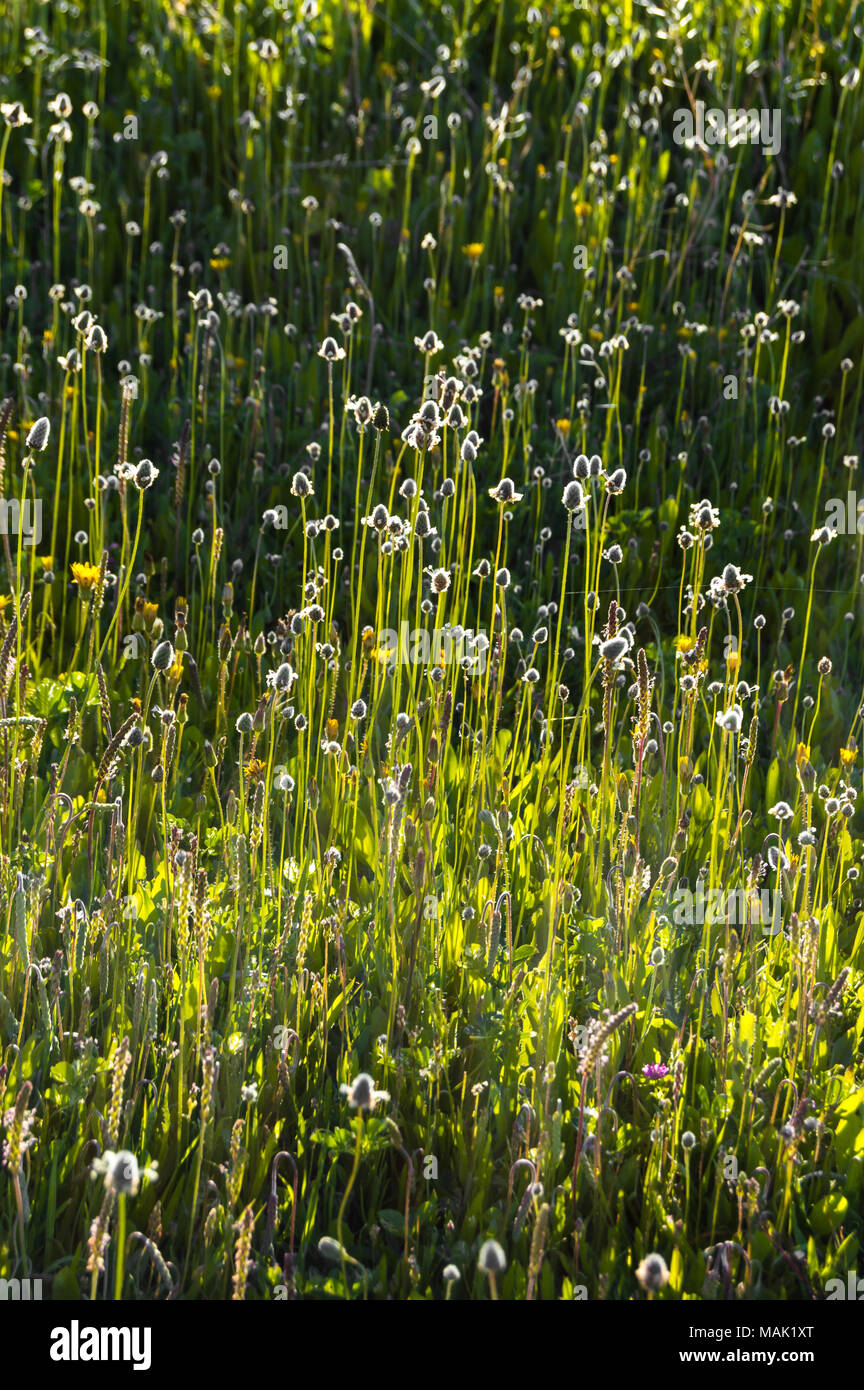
84,575
473,251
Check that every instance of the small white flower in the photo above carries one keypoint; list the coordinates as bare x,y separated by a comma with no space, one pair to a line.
39,434
491,1259
361,1094
573,497
730,720
614,648
121,1172
430,343
653,1273
823,535
733,580
331,351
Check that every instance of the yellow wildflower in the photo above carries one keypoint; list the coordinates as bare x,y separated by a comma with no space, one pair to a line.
84,575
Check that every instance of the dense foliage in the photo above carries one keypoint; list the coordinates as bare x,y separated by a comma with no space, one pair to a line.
431,663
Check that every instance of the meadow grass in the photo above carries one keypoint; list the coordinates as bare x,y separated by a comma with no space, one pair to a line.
345,955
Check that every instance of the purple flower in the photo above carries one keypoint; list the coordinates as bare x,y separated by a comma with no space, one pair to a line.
655,1070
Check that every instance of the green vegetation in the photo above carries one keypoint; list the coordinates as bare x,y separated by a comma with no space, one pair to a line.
336,944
